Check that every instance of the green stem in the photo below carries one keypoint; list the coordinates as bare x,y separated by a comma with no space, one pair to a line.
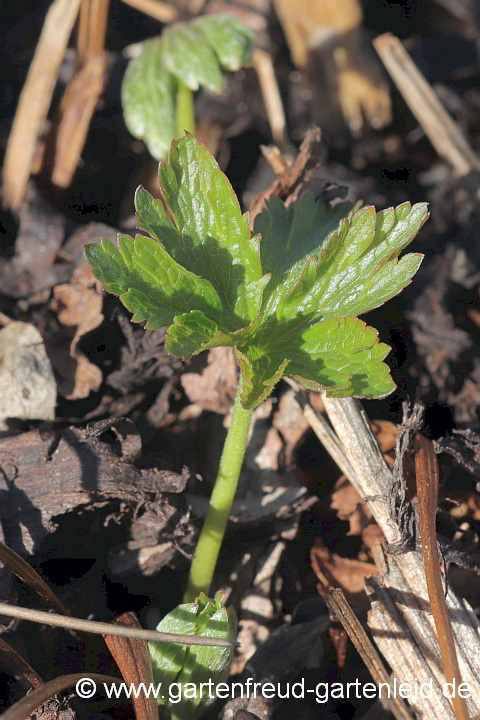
185,110
210,540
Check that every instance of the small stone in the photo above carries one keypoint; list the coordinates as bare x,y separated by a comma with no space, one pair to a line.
27,385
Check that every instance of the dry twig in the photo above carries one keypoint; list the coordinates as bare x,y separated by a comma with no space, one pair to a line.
428,477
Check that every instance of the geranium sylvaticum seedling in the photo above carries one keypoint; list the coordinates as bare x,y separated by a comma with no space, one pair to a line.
158,87
285,297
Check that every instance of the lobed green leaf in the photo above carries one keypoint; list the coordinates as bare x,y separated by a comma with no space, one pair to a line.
341,356
149,282
200,223
192,333
336,272
286,298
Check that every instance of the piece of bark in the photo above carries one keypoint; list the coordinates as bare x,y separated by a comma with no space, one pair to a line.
49,472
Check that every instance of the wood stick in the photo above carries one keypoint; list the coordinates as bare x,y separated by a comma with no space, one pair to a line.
402,625
442,131
76,111
82,94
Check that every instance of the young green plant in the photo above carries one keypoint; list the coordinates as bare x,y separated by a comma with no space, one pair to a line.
157,91
285,298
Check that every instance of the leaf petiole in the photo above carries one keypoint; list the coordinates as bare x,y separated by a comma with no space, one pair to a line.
185,110
211,537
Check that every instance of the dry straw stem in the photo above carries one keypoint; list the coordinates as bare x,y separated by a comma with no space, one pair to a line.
76,111
35,99
83,92
440,128
30,576
402,625
156,9
20,665
262,62
133,661
91,30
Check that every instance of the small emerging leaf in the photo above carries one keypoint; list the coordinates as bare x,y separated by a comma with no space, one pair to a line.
192,53
195,51
148,99
229,38
189,667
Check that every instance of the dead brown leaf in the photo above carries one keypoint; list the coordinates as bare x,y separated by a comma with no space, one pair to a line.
334,571
350,506
291,423
371,535
385,434
308,24
78,304
214,387
467,505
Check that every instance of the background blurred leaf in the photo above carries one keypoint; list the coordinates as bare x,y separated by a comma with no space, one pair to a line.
148,99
